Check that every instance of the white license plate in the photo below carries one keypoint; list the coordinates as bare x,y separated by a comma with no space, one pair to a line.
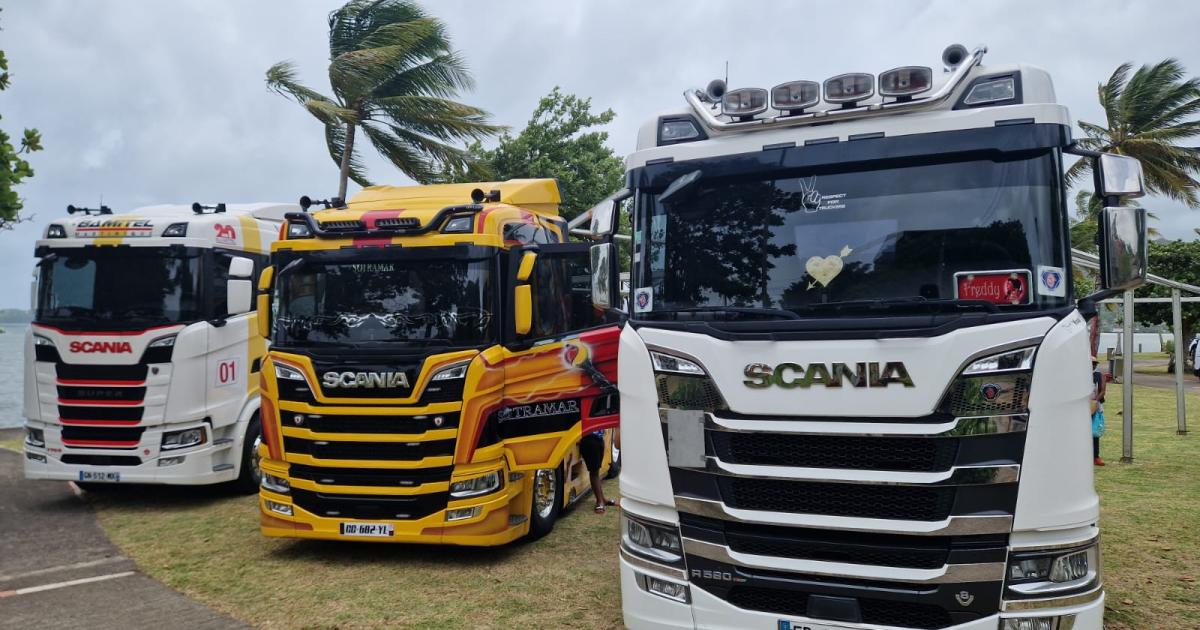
784,624
110,477
375,530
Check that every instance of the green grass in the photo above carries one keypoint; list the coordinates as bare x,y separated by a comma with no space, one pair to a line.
14,444
207,545
1150,523
1143,356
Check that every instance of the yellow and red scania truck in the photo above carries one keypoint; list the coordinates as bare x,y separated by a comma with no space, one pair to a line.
435,360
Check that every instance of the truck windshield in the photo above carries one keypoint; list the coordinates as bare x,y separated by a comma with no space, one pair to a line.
985,233
388,301
120,287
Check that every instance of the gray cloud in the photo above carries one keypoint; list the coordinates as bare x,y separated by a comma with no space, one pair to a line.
163,102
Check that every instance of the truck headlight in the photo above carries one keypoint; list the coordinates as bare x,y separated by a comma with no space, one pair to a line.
39,340
652,540
1052,572
163,342
288,373
35,437
182,439
452,372
276,484
475,486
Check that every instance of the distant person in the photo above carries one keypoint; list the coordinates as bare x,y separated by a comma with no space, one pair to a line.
591,447
1099,385
1193,349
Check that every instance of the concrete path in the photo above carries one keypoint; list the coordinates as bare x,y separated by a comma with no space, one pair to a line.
58,569
1165,380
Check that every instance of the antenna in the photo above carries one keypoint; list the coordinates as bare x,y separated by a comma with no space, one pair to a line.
726,72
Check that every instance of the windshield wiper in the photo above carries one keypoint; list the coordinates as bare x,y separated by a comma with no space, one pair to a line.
725,313
915,302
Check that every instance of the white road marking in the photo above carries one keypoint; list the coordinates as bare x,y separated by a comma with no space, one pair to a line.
56,585
64,567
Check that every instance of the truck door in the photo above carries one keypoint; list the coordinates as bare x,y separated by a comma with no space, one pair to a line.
561,375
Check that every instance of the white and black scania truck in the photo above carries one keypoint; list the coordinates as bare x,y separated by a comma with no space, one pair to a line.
142,362
854,379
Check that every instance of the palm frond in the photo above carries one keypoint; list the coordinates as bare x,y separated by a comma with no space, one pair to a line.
438,117
1110,93
409,160
281,79
329,113
358,72
441,76
359,18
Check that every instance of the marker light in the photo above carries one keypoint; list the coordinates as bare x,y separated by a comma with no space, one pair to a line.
849,88
992,91
795,96
462,514
459,224
55,230
677,131
176,229
744,103
906,82
298,230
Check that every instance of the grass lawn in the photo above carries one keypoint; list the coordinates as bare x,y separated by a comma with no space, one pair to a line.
207,545
1151,515
14,445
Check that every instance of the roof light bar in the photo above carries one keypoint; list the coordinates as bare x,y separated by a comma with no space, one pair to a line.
744,103
849,88
795,96
905,82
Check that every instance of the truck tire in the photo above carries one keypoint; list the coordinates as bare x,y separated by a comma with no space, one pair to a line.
249,473
614,466
546,501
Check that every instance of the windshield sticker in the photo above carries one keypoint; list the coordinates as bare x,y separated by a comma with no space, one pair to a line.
643,300
1004,286
1051,281
824,270
658,242
812,200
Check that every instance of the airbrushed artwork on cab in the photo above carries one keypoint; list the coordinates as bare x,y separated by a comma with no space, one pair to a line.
546,397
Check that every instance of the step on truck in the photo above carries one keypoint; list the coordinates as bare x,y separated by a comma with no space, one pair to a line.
141,364
855,377
435,360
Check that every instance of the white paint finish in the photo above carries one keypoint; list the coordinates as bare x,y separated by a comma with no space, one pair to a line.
644,474
931,362
1056,488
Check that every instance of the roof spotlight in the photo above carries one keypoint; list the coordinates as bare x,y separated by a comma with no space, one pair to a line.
850,88
905,82
744,103
795,96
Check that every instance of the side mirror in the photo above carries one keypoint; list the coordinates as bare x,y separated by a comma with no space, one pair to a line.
263,310
1122,248
1119,176
523,295
240,267
602,297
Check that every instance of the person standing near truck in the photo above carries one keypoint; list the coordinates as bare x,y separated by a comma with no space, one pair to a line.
1099,384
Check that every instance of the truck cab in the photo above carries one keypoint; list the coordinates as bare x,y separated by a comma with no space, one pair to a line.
855,378
435,360
141,364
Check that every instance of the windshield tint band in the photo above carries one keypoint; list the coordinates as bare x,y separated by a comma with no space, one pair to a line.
351,254
1004,139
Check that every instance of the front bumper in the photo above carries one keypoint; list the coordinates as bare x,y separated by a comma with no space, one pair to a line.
503,515
213,462
643,609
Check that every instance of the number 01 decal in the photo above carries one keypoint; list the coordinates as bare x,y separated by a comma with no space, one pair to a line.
227,372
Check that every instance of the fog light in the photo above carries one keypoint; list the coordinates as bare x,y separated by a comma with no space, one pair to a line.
1031,623
476,486
279,508
171,461
182,439
276,484
35,437
462,514
55,230
663,588
41,459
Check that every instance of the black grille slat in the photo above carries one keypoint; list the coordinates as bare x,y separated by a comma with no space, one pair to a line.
70,412
343,226
101,393
839,499
372,506
334,423
874,611
114,434
390,451
370,476
850,452
92,372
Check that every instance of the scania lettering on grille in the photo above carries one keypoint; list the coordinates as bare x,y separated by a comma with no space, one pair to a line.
350,380
88,347
861,374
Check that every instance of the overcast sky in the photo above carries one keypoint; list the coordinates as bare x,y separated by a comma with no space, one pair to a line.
146,102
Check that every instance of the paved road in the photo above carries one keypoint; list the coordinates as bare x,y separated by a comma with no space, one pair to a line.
1165,380
58,569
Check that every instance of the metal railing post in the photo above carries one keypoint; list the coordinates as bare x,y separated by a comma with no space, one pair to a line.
1127,383
1180,357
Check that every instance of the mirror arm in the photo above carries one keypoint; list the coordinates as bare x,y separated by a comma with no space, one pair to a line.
218,322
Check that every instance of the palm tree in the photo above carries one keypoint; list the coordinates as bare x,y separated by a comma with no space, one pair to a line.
1148,114
393,77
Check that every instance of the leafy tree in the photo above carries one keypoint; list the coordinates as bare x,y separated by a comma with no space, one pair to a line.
557,142
13,168
1148,114
393,76
1175,260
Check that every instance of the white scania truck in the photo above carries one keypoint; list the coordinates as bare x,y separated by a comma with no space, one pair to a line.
854,380
141,365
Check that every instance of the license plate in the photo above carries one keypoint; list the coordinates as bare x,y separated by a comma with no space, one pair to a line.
375,530
784,624
110,477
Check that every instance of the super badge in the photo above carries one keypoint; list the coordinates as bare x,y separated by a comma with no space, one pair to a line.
643,300
1051,281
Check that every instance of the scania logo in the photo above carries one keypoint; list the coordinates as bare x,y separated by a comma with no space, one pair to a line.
89,347
349,380
861,374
